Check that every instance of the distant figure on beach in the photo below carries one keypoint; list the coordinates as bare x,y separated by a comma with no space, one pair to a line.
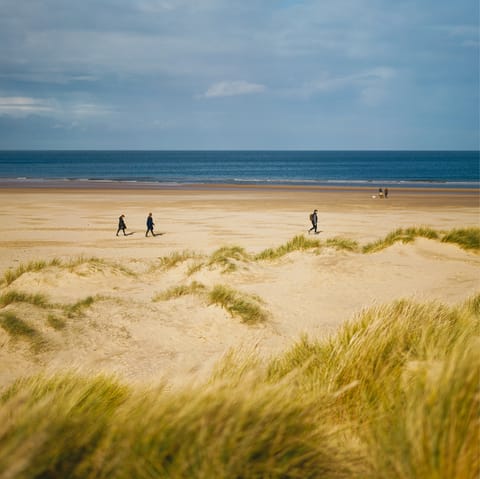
121,225
385,192
380,192
150,225
314,220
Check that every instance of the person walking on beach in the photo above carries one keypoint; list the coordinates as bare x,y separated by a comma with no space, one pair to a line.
150,225
121,225
385,192
314,220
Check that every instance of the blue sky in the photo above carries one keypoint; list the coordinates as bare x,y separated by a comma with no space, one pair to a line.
251,74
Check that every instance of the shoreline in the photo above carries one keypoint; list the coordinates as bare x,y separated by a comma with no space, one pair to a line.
145,186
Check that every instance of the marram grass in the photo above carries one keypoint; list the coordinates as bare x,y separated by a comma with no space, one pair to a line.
466,238
405,235
247,307
12,275
17,327
298,243
393,395
14,296
175,258
228,257
178,291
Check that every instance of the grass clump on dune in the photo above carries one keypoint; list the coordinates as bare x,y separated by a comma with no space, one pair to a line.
76,309
177,291
298,243
244,306
405,235
17,327
55,322
11,275
175,258
19,297
228,257
342,244
466,238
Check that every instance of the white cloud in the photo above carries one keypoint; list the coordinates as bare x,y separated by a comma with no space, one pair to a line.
23,106
233,88
88,110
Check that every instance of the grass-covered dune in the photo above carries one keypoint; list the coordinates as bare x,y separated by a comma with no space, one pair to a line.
394,394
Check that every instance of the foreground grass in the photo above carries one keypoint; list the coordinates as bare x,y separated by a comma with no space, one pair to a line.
409,375
393,395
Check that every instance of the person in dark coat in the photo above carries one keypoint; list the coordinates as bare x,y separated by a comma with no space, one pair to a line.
314,220
150,225
121,225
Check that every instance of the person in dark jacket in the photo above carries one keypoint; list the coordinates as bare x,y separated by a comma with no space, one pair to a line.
121,225
314,220
150,225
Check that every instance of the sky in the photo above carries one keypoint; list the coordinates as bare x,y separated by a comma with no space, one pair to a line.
251,74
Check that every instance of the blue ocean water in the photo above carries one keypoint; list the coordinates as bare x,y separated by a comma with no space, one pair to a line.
458,169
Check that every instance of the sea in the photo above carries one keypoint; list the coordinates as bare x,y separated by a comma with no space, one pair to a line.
428,169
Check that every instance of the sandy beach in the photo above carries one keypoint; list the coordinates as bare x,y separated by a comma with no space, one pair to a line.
126,331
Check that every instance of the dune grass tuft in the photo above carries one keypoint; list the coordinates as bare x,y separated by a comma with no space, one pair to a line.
298,243
228,257
55,322
76,309
195,267
177,291
17,327
244,306
342,244
405,235
19,297
33,266
175,258
466,238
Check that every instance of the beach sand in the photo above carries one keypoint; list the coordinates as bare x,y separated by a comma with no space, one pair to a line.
127,333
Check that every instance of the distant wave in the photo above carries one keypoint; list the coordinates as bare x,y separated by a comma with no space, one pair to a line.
374,183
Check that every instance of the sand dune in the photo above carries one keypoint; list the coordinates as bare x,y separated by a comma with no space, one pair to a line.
125,331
